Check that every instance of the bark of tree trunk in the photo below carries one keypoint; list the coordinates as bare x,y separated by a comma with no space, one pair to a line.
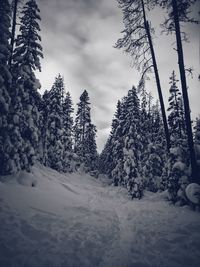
14,23
164,117
185,93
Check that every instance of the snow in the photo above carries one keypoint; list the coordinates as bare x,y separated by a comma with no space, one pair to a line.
51,219
193,193
180,166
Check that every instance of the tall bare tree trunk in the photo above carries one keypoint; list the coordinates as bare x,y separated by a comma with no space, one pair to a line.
185,93
14,23
164,117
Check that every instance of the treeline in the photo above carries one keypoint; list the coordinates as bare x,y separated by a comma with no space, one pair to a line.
135,154
33,127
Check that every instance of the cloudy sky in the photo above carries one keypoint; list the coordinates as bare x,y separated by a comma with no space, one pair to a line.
78,38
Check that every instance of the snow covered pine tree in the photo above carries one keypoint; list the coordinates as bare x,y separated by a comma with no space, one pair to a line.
53,138
132,144
25,97
67,133
84,135
178,163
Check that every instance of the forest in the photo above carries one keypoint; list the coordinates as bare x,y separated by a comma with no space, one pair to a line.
152,148
148,148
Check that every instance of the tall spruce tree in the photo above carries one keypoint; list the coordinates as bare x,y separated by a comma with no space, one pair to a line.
132,144
67,132
54,135
84,134
117,172
105,159
175,119
24,112
155,152
111,158
44,113
6,147
178,158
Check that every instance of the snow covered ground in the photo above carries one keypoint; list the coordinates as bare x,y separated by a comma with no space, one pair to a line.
75,220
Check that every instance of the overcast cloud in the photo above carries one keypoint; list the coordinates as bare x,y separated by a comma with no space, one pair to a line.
78,38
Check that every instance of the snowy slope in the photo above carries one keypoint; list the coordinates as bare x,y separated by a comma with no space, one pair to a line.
76,220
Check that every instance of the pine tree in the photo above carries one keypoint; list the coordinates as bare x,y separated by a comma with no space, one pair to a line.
54,134
145,129
132,144
106,159
178,159
117,171
28,49
44,113
175,119
111,162
6,146
67,132
91,155
24,113
197,131
84,134
155,152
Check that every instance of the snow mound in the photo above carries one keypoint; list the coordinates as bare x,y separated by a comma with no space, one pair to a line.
193,193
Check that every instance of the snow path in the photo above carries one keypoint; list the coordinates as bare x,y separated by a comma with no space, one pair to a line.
76,220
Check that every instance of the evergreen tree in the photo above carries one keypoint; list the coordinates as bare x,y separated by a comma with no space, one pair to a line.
117,172
197,131
155,152
132,144
91,155
24,114
177,166
44,113
145,126
84,134
6,147
67,132
54,134
175,119
28,49
106,159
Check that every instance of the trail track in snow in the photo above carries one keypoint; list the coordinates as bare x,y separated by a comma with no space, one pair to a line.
76,220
